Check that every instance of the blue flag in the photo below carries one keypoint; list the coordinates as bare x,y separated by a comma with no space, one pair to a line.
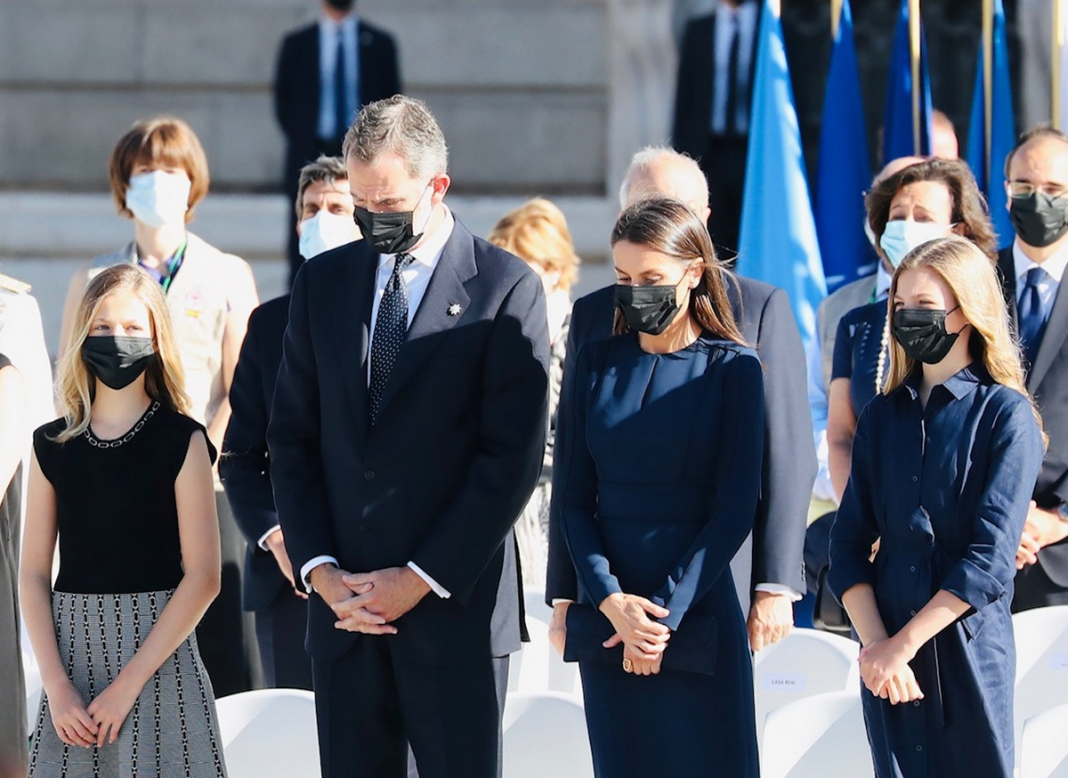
988,161
844,169
778,234
897,122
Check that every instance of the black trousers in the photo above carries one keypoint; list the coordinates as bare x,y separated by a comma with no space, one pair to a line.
371,703
724,166
280,632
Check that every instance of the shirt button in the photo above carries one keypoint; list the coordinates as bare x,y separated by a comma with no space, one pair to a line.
916,704
919,748
913,613
912,570
915,478
369,475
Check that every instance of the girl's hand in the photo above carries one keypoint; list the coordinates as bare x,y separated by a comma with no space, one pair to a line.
884,668
110,709
630,614
73,723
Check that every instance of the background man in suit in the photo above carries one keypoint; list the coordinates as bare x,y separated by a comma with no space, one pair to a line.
1032,271
324,209
712,100
769,564
406,435
325,72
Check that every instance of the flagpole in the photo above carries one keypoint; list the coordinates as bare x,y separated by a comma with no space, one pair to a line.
836,18
914,59
1058,44
988,84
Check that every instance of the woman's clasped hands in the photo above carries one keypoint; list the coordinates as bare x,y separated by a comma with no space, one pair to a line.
884,668
644,640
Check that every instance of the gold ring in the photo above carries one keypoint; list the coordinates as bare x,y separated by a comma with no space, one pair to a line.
627,665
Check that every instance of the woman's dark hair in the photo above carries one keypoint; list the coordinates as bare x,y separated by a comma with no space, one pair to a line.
969,207
670,227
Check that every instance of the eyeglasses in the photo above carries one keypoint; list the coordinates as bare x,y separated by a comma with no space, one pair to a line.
1026,189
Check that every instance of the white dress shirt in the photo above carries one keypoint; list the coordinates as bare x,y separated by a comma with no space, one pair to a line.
416,278
747,18
329,30
1054,267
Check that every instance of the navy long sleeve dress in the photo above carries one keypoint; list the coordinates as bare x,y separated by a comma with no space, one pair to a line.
946,488
661,473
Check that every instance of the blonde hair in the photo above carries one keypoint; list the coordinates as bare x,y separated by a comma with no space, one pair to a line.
164,377
537,233
968,273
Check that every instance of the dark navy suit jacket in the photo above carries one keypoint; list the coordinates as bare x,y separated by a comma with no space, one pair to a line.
441,477
773,554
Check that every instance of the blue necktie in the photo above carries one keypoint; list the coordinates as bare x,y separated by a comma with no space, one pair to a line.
1033,314
341,99
391,326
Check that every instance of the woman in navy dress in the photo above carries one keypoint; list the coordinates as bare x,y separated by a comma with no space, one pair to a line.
944,463
661,457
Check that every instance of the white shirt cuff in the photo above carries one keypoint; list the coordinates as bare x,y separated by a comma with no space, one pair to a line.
262,542
561,601
785,591
311,565
438,589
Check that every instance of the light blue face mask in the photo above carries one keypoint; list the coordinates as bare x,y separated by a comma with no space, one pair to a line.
900,237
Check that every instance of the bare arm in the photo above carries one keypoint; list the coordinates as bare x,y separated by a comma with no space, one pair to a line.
198,530
70,307
841,426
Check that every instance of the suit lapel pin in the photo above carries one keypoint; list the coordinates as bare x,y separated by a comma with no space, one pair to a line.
455,309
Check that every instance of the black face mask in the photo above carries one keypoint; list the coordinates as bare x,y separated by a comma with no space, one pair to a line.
922,333
388,233
1040,220
648,309
341,5
117,361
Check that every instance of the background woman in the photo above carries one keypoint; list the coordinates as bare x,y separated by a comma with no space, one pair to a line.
944,465
124,482
537,233
653,514
928,200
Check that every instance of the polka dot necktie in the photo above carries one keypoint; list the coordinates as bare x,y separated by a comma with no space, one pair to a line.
391,325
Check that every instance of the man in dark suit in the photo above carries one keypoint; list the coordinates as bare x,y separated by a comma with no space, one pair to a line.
324,209
769,565
1032,272
406,435
325,72
712,100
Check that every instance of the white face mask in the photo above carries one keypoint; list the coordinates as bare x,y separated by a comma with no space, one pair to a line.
325,231
157,198
901,237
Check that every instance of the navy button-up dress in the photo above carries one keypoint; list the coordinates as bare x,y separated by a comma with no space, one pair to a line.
947,489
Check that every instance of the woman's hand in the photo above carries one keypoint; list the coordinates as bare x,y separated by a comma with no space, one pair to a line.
884,667
630,614
558,626
639,665
73,723
111,707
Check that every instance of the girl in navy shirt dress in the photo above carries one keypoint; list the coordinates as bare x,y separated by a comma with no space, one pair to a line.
944,463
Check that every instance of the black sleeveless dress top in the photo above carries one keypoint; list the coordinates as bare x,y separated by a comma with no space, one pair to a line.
115,505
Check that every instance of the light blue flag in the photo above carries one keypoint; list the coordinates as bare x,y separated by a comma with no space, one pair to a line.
988,162
898,139
778,234
844,168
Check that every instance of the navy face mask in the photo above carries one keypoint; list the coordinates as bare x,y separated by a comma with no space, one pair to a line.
117,361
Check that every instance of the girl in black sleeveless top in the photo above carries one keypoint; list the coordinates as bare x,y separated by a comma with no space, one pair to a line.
124,482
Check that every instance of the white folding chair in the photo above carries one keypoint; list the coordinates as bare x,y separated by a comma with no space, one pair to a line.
1043,749
545,735
269,732
817,737
804,663
537,610
1041,663
538,667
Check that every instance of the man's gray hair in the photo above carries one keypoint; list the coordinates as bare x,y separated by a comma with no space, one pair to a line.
328,169
403,126
643,161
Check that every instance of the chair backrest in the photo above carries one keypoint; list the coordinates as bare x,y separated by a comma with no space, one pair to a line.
1043,748
817,737
804,663
538,667
1041,663
545,735
537,610
269,732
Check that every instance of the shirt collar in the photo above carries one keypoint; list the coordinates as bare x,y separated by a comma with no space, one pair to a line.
1054,265
346,25
430,251
882,282
959,385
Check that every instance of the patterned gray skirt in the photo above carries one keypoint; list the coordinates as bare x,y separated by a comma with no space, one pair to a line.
172,729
